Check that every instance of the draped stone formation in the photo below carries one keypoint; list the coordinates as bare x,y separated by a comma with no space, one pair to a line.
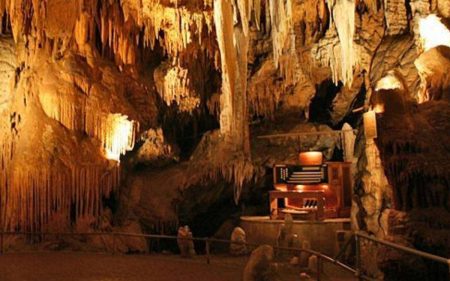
148,113
396,17
233,54
343,12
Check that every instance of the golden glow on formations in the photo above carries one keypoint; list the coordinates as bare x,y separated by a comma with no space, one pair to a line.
120,137
433,32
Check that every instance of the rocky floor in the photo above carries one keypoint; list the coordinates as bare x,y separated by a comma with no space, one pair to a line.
65,266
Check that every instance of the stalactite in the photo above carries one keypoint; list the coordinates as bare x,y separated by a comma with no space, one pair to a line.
31,197
115,132
223,17
179,25
341,58
118,136
257,10
344,19
174,84
281,28
233,117
264,97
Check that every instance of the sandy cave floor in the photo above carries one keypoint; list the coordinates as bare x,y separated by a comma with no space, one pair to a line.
65,266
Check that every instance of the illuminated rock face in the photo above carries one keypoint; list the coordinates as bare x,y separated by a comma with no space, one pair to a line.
95,94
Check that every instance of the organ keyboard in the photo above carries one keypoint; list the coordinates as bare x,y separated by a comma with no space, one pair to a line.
313,186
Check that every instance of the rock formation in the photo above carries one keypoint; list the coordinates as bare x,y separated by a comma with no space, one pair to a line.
147,113
238,247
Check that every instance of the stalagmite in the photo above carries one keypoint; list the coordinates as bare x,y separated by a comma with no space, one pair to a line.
348,139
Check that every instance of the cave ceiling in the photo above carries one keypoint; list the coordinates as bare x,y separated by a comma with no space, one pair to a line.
84,81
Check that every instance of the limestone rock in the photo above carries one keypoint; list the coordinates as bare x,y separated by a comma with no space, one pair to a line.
155,151
434,66
294,261
349,142
312,264
305,277
444,8
131,244
394,222
185,242
396,17
286,237
304,256
8,66
387,59
237,249
259,266
344,100
174,84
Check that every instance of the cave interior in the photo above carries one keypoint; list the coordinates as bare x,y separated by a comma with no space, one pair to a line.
148,116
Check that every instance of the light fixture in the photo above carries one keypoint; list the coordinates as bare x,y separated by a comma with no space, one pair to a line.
310,158
370,125
378,108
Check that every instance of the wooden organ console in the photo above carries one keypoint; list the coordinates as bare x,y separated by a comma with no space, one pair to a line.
313,189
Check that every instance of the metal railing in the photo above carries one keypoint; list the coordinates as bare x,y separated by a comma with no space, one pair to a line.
356,238
207,243
361,235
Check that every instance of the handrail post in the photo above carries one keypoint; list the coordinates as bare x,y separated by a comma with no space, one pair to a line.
358,257
208,257
319,267
448,262
1,243
114,243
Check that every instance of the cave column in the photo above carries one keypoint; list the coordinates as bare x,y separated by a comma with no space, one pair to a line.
233,43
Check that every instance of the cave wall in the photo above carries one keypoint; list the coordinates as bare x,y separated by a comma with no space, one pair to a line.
142,106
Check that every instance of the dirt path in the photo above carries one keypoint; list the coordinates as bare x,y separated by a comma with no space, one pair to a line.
78,266
104,267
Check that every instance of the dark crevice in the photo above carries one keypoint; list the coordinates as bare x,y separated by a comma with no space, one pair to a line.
353,118
321,105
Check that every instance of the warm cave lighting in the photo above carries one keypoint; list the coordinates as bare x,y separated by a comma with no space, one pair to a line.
370,124
310,158
389,82
378,108
433,32
121,136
